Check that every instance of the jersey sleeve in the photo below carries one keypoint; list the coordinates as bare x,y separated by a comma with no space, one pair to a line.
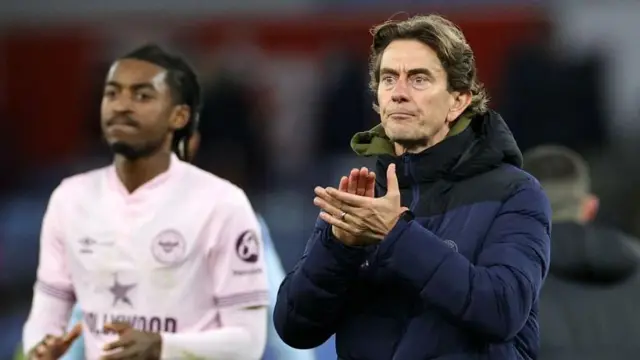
53,276
53,290
237,258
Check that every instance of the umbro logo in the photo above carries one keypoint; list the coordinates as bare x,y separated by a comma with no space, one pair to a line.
87,244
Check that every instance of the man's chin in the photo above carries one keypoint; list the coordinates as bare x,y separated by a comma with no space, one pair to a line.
399,132
409,142
405,138
126,150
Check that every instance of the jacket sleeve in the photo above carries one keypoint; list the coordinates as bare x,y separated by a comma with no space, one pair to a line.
312,296
53,295
495,295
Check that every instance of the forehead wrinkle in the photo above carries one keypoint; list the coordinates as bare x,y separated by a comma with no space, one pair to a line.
404,56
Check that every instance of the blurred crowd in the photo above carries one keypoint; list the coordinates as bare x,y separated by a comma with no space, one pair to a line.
282,99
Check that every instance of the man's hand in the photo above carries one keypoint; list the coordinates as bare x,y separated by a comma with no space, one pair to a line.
132,344
364,217
362,183
53,347
359,182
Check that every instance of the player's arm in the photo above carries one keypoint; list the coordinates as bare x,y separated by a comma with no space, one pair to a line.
242,337
53,295
312,297
236,258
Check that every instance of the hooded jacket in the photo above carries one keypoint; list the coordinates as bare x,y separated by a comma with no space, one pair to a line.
589,304
459,281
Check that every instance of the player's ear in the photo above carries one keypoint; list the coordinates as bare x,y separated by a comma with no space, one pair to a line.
590,208
180,117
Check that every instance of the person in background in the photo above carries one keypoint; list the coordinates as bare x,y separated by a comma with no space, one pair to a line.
588,305
276,348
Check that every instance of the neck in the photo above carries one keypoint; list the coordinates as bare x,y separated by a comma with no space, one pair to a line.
417,147
135,173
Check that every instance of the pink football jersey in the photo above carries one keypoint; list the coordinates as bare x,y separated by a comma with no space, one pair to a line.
165,258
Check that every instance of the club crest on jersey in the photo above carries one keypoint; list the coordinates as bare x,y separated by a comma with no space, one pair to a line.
247,247
169,247
452,244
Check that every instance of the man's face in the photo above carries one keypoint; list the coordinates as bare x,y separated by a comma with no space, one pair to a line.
137,114
415,104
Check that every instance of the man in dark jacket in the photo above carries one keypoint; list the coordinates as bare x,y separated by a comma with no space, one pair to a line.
448,260
588,306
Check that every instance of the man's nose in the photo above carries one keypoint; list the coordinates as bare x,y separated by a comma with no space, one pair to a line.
121,104
400,92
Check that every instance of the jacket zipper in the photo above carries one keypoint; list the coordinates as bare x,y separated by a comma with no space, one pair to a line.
415,188
415,197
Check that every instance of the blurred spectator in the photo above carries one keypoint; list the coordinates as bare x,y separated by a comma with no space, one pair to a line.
345,102
587,305
551,99
230,121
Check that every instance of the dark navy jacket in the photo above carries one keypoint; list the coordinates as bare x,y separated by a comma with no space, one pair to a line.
461,281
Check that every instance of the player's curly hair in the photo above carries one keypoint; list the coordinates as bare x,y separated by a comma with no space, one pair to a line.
185,90
449,43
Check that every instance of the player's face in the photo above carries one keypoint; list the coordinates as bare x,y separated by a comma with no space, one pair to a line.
137,113
415,104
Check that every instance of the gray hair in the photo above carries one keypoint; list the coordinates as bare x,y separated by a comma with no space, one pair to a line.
447,40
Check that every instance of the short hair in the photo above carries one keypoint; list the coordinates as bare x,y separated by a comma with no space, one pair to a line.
184,86
564,176
449,43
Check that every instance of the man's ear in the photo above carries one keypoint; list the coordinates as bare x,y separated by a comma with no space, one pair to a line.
179,117
460,101
590,207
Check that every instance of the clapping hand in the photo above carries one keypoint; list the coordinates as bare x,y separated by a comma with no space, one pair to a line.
359,182
366,219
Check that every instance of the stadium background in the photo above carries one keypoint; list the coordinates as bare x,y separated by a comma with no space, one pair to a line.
285,88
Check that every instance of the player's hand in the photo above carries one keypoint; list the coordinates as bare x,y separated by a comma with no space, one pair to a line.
53,347
132,344
359,182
